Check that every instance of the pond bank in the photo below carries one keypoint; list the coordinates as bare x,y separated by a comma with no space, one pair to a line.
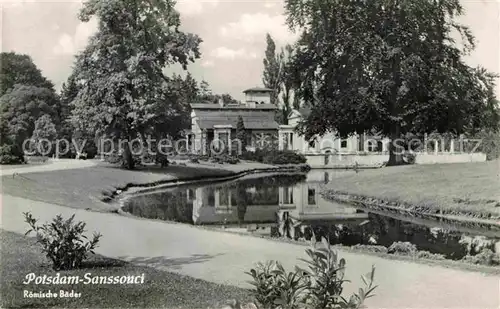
409,210
465,192
231,172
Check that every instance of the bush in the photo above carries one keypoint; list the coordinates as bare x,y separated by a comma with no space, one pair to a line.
405,248
409,158
430,256
486,257
490,144
63,241
9,155
222,159
371,248
320,286
284,157
194,160
278,157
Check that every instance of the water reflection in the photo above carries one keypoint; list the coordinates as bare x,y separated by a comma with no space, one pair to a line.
291,206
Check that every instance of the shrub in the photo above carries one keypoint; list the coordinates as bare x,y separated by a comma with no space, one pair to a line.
490,144
486,257
194,160
409,158
9,155
371,248
274,157
405,248
221,159
280,157
320,286
430,256
63,241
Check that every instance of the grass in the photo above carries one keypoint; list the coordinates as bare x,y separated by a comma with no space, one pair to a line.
456,189
21,256
85,187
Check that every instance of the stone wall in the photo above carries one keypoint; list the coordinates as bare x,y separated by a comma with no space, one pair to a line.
377,159
345,160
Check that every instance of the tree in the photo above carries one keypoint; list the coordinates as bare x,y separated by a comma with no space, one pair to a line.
25,94
20,69
286,83
387,65
271,75
241,133
205,93
191,88
21,106
123,87
44,130
69,92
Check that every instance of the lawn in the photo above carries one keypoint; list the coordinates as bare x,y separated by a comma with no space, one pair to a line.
84,187
468,188
21,256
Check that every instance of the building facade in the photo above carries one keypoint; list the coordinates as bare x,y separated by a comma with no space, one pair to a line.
213,126
330,150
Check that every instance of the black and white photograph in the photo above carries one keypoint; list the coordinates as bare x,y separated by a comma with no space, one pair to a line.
250,154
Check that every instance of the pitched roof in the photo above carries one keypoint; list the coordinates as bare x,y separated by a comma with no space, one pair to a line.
252,119
195,106
258,89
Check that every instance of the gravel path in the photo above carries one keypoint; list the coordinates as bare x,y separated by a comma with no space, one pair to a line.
222,258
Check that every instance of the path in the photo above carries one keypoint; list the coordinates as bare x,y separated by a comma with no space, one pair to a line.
52,165
223,258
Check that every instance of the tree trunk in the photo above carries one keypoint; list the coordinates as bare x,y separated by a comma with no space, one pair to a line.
127,159
395,153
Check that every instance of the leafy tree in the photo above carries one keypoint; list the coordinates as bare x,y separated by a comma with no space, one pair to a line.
205,93
387,65
123,87
191,88
227,98
271,75
20,69
21,107
44,130
286,83
69,91
241,133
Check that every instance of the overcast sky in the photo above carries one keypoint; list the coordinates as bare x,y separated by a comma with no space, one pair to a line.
233,32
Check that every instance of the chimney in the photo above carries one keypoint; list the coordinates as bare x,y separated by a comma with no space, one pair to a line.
221,102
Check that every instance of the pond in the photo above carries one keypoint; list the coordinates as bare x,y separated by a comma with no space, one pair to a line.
290,205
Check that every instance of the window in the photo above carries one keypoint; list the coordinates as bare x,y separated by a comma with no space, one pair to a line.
372,146
191,194
291,141
327,159
326,177
312,144
311,196
287,195
343,144
224,197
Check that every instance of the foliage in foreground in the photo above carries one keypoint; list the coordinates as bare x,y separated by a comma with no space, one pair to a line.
319,286
62,241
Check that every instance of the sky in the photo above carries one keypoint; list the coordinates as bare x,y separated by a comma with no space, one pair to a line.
233,33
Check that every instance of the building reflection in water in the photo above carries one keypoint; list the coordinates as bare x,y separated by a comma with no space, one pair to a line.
270,203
